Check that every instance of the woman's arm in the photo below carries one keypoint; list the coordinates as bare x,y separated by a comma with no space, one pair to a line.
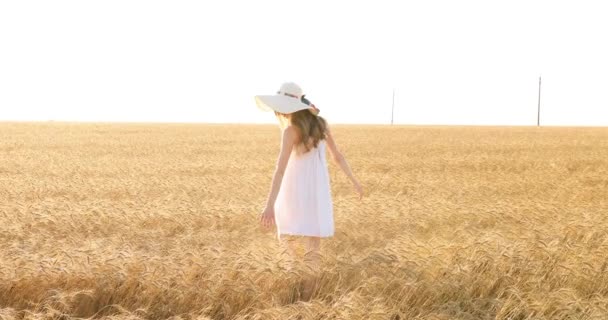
288,140
341,161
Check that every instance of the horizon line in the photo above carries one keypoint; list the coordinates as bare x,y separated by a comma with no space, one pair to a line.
272,124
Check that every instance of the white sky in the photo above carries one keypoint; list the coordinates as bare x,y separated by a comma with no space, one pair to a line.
451,62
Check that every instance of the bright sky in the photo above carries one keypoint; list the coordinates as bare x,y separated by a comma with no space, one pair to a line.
451,62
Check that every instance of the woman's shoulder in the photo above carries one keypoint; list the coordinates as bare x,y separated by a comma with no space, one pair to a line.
292,130
291,127
291,133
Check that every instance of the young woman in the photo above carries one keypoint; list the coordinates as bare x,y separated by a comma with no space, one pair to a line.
300,201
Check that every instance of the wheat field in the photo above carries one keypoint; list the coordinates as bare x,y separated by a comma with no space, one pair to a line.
157,221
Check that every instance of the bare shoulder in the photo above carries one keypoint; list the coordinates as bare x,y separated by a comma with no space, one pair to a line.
290,134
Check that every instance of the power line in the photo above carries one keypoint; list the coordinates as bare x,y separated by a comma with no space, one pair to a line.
538,115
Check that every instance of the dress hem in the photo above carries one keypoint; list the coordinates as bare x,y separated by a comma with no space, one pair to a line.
303,235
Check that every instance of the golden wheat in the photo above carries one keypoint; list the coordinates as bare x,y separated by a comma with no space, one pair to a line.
153,221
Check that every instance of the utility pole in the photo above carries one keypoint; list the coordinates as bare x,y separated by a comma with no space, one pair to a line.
538,115
393,108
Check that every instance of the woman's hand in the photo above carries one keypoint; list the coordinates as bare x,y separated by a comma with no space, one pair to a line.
267,217
359,190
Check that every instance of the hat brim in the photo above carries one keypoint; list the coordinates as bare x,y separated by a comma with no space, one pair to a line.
280,103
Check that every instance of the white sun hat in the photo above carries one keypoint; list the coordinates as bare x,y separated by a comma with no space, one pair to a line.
287,100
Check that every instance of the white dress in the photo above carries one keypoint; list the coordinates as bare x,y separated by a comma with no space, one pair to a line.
304,206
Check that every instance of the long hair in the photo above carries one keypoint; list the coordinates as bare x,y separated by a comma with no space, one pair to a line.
312,128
